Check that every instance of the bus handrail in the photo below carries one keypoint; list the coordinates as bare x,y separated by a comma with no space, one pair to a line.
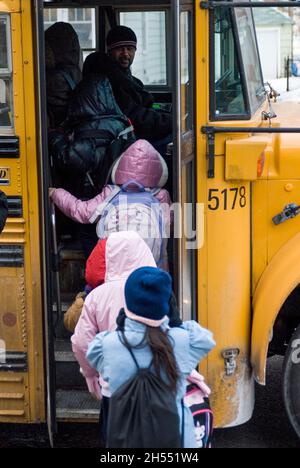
211,5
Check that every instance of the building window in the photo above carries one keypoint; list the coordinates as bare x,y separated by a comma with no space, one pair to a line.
150,64
228,90
80,14
50,15
83,21
6,103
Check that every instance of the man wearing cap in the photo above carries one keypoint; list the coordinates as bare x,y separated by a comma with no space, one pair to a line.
3,210
130,94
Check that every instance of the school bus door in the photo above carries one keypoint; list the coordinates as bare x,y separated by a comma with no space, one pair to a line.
183,16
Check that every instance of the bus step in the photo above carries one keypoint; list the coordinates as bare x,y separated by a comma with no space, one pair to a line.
63,352
68,376
79,405
72,255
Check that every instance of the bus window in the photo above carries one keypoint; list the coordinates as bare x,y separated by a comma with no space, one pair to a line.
150,64
83,21
187,167
5,74
251,62
186,92
228,91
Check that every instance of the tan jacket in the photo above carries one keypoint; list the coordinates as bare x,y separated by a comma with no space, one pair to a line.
72,315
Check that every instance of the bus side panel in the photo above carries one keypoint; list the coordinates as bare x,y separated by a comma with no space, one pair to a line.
14,395
21,366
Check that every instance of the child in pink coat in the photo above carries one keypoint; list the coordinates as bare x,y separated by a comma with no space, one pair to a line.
140,163
125,252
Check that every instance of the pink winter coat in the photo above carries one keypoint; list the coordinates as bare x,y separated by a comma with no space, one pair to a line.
140,162
125,252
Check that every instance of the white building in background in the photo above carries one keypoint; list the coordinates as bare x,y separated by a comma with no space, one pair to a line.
275,40
294,13
82,20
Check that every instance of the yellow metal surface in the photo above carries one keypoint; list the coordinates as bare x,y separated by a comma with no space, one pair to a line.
228,299
224,259
20,288
241,164
278,186
279,279
261,221
14,398
10,6
274,247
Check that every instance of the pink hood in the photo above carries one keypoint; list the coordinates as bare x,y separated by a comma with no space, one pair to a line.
142,163
125,252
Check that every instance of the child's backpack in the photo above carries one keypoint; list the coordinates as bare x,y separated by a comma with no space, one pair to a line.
132,207
202,415
143,412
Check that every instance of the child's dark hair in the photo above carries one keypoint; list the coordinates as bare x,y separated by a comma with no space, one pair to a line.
174,314
121,320
163,354
161,349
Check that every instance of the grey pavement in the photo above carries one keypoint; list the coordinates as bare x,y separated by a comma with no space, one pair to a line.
269,427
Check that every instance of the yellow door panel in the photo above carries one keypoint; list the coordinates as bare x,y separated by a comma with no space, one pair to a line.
227,243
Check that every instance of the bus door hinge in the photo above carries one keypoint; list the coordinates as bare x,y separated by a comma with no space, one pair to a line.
230,357
210,133
289,211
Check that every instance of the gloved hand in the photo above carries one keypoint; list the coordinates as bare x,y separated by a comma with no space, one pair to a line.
94,387
198,380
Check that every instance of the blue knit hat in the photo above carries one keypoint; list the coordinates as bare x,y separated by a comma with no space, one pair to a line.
147,294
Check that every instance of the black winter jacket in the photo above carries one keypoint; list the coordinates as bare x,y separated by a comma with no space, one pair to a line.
133,99
60,84
82,160
63,72
3,210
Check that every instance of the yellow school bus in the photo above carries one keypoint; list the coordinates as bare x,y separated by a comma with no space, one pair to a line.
235,164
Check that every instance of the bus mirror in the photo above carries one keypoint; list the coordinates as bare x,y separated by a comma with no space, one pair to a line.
244,158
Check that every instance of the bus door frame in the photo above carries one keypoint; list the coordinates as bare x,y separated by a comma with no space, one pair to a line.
185,151
45,225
